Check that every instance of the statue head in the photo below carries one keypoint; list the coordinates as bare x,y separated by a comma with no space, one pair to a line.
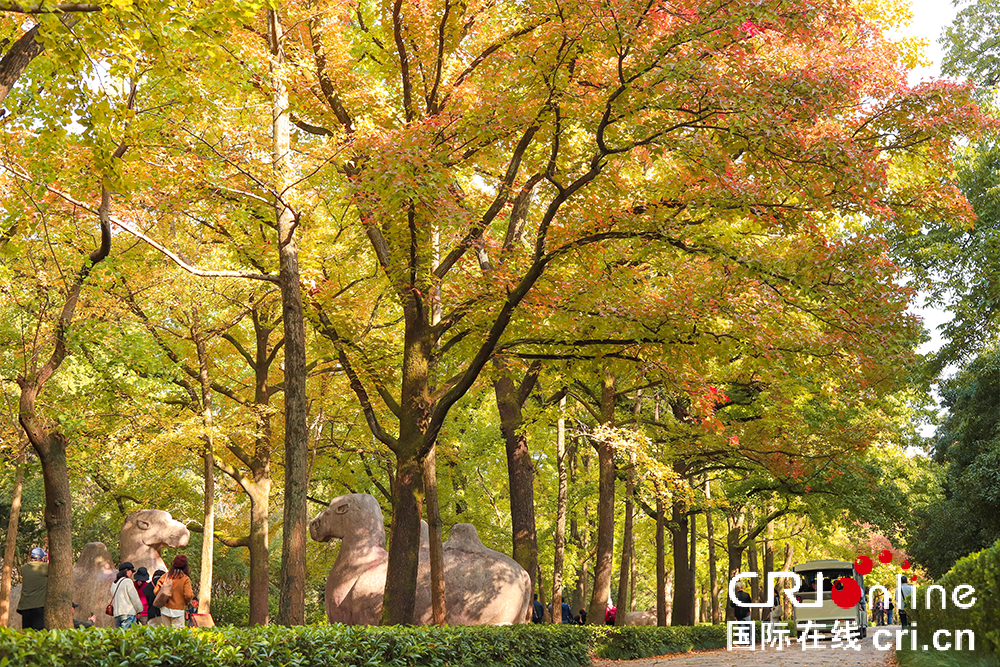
356,514
155,529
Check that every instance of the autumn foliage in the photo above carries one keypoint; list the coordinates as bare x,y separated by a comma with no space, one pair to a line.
690,195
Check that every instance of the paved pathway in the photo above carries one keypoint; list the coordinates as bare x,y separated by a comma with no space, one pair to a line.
826,655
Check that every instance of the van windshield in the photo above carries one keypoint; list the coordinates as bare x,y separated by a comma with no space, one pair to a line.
810,582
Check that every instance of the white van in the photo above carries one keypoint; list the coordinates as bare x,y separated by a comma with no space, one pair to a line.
823,616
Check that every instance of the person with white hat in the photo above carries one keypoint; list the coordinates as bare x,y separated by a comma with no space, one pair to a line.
34,587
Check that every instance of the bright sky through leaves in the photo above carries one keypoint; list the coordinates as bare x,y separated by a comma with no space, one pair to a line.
930,18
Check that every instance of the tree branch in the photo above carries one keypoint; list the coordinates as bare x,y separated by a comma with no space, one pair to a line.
62,8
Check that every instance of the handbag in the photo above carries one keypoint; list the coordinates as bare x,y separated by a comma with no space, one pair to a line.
110,609
165,593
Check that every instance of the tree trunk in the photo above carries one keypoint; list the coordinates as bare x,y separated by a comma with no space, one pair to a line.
546,616
579,537
754,566
291,609
693,553
560,537
713,573
259,551
786,604
399,600
415,407
208,454
51,450
684,591
661,565
669,588
632,578
734,553
768,558
434,525
520,468
604,565
11,543
624,599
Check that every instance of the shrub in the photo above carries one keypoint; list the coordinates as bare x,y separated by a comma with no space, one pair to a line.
982,572
644,641
339,645
309,646
231,610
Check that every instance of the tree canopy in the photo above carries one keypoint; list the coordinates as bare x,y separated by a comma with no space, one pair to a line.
365,217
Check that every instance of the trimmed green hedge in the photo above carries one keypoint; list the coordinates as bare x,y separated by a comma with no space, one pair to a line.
350,646
645,641
982,572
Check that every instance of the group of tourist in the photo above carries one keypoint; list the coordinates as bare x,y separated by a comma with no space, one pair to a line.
133,594
538,614
884,609
136,603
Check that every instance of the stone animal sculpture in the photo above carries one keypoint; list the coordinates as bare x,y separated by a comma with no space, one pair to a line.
93,574
641,617
146,533
482,586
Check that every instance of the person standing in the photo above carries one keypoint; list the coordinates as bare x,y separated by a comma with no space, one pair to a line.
181,592
145,590
34,587
154,612
775,614
124,598
537,611
742,613
905,591
890,606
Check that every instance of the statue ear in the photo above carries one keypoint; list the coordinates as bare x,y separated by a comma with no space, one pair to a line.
342,509
143,524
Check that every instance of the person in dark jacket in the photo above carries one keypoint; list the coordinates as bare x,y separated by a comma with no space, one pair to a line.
537,611
34,587
742,613
154,612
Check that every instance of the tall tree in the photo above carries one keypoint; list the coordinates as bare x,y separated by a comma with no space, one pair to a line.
51,444
291,609
510,397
